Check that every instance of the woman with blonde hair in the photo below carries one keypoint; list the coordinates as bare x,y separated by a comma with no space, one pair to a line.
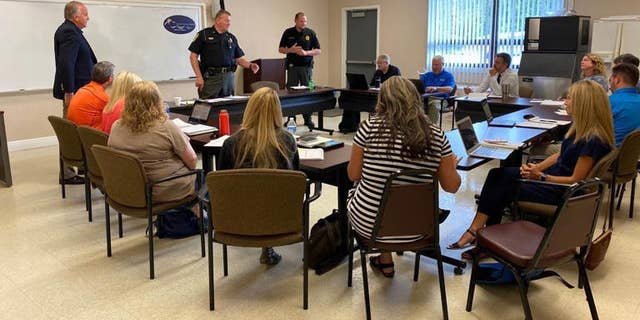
592,67
588,140
163,149
122,84
262,142
398,136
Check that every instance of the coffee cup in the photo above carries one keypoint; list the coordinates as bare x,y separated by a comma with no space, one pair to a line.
177,101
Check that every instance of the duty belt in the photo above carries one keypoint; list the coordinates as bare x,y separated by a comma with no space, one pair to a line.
214,70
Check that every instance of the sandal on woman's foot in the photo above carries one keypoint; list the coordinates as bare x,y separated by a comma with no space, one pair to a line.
375,264
458,246
468,255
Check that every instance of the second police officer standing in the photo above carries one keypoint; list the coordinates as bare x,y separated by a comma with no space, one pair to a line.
219,53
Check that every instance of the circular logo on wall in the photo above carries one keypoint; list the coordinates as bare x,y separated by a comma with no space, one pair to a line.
179,24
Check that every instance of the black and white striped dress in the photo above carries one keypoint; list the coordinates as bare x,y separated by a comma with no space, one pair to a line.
379,162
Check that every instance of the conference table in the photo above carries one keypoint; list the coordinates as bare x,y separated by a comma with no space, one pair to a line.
293,102
465,106
354,101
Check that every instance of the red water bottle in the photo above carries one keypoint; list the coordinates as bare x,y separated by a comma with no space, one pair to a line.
223,123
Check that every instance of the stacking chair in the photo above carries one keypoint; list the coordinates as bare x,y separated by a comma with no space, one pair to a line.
450,101
526,248
71,152
600,170
623,170
89,137
405,209
129,191
258,208
261,84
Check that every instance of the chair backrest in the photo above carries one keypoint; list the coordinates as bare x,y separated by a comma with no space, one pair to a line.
525,92
409,206
68,139
257,202
574,221
603,166
453,90
626,165
261,84
123,174
89,137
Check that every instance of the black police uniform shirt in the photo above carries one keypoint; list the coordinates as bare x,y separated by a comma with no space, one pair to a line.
306,39
216,49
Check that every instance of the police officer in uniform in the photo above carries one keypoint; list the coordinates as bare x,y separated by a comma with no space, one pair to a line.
219,54
300,44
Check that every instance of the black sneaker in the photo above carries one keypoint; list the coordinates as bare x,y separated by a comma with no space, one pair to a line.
269,256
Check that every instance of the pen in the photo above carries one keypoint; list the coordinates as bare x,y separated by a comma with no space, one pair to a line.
549,121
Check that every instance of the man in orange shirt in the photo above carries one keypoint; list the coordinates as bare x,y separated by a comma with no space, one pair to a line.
85,108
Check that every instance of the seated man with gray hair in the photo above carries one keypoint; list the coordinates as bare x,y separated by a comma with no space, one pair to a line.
385,70
440,81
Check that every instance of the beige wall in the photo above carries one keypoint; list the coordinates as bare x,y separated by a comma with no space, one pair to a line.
606,8
402,34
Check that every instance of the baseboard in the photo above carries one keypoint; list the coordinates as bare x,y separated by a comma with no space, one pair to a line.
26,144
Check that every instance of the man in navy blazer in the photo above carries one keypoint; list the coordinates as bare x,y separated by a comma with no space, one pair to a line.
74,57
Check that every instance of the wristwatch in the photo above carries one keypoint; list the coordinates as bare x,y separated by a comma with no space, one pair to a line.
543,177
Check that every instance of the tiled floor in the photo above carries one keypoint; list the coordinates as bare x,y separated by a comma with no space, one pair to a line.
53,265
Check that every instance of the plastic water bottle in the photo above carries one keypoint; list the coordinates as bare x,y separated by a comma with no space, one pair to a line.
312,85
291,125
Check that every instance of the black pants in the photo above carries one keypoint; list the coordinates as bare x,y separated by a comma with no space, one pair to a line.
499,190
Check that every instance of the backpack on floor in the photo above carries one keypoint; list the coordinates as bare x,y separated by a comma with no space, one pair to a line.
179,223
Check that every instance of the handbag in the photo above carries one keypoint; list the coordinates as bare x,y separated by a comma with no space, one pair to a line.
599,246
327,243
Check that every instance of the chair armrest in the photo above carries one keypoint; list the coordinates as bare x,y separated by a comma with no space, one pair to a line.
317,191
545,183
173,177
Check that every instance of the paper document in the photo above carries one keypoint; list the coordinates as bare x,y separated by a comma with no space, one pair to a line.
193,129
500,144
217,100
311,154
537,125
237,97
494,96
477,95
374,89
552,103
217,142
299,87
561,112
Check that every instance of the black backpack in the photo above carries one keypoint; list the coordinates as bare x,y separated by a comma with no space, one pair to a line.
328,242
179,223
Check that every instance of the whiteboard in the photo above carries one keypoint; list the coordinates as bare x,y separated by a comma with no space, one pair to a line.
131,35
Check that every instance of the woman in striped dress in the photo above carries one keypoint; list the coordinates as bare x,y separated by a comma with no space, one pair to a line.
399,136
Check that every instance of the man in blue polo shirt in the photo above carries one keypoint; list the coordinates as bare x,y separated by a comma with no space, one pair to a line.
437,81
628,58
625,100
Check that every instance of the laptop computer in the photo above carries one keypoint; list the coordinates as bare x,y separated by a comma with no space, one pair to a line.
495,122
357,81
419,85
473,146
200,112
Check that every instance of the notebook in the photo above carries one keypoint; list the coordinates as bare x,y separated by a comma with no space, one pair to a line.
495,122
473,146
357,81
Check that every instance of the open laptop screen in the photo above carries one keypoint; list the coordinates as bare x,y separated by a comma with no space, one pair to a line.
357,81
467,133
200,111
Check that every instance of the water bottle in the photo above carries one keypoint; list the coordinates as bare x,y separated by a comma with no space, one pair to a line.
312,85
223,123
291,125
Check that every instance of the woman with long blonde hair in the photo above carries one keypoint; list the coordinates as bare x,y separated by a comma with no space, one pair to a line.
398,136
163,149
122,84
261,142
589,139
592,67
